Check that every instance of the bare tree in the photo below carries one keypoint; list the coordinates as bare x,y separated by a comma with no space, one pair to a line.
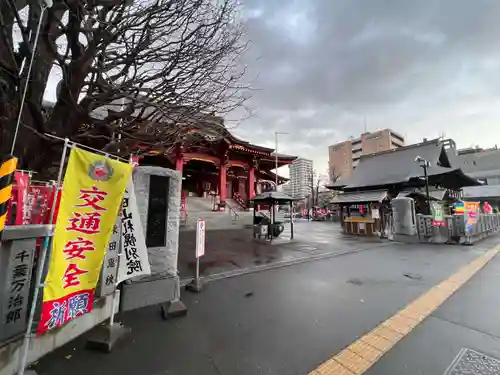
333,174
136,73
314,182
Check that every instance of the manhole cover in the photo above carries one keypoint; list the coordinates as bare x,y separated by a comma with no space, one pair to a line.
470,362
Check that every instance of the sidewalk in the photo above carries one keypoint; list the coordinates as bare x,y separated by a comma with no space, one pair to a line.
285,321
235,250
470,319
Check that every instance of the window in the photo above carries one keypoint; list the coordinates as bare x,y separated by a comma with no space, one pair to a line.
400,139
375,135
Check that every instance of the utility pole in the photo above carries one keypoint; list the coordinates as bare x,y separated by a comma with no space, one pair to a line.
43,6
276,155
425,164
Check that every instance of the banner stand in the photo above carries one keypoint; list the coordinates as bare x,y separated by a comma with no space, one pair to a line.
104,338
45,254
174,308
41,265
196,284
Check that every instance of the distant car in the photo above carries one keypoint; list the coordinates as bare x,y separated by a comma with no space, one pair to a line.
319,218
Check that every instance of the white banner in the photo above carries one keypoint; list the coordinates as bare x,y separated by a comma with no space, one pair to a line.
200,238
109,271
134,257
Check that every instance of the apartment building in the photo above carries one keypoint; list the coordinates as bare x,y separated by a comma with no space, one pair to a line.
301,171
286,188
343,157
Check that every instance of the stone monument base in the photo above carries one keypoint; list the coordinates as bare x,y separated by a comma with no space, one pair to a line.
103,338
196,285
173,309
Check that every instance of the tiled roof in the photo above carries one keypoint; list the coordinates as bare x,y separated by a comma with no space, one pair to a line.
475,162
485,191
276,196
399,166
437,194
361,197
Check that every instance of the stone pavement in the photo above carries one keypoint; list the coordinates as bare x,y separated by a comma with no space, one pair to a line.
233,250
289,320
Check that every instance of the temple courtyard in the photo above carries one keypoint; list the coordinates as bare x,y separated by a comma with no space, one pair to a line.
325,303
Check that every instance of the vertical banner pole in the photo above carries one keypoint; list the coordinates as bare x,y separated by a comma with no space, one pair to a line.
41,262
197,269
196,285
113,305
118,260
105,337
117,284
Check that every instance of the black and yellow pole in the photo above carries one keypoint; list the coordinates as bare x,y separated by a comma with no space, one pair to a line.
7,168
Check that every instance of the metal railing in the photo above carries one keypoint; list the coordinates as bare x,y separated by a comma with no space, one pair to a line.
184,218
232,213
238,199
454,230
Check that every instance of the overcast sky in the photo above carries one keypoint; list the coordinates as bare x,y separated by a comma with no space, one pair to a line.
422,68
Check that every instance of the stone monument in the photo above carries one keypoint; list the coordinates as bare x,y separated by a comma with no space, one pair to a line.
158,192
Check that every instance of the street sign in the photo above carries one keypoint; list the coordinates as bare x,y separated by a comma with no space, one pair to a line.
16,264
438,219
200,238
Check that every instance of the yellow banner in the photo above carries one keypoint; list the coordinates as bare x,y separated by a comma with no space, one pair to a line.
92,193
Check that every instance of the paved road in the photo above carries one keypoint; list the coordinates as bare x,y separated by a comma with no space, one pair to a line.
285,321
469,319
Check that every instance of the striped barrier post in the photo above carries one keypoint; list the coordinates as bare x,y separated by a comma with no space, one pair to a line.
7,168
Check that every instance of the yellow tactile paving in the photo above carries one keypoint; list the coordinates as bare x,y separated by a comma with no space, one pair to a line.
332,367
365,350
352,361
387,333
377,342
401,324
413,313
363,353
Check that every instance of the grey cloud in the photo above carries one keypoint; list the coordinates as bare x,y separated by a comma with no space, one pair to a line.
416,66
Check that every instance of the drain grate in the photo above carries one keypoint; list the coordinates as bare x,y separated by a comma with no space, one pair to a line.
470,362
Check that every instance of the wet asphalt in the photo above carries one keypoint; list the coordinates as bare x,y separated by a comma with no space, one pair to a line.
469,319
283,321
233,250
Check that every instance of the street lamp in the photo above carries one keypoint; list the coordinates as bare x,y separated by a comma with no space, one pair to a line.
425,164
276,155
43,6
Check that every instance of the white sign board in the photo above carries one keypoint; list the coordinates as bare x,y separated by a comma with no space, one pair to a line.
375,213
134,256
362,226
200,238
